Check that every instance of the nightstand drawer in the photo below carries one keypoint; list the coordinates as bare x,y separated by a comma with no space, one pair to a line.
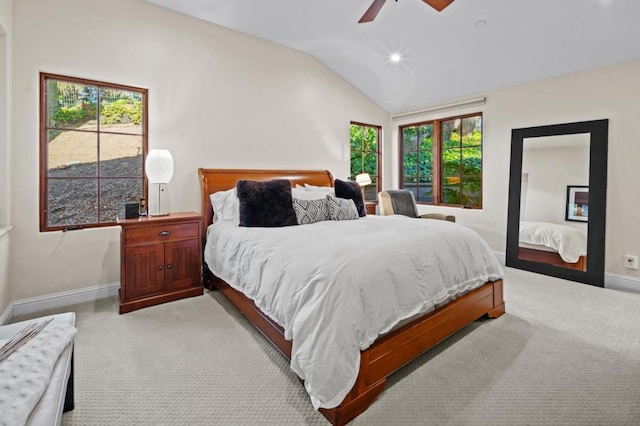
161,233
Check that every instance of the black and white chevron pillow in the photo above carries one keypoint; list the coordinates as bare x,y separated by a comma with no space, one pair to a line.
342,209
311,211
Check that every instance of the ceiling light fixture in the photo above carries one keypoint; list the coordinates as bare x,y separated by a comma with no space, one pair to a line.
481,23
395,57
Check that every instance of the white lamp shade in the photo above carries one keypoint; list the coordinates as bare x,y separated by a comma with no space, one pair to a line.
159,166
363,179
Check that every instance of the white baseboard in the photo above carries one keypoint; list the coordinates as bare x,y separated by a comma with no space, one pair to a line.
621,282
7,315
66,298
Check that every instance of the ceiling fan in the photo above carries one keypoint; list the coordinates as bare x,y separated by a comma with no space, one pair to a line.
375,7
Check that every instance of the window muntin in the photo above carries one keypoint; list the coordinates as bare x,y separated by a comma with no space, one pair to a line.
442,161
366,157
93,144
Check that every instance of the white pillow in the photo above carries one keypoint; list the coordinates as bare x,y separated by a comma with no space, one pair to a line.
300,187
226,205
302,194
319,188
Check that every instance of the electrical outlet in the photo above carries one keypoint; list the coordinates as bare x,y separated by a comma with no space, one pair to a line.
631,262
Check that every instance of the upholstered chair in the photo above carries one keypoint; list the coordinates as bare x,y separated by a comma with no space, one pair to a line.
401,201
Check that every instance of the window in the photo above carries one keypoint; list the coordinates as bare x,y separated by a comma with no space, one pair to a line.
365,156
93,141
442,161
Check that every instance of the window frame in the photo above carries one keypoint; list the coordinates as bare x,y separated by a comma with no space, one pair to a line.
437,154
44,158
378,153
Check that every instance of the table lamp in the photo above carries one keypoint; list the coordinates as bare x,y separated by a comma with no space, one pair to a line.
363,179
159,170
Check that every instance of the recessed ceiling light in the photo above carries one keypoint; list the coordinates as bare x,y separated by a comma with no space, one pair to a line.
481,23
395,57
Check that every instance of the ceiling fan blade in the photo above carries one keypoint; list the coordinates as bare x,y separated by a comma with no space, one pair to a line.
372,12
438,4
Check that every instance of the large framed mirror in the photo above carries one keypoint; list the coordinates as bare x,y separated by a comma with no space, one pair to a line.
557,200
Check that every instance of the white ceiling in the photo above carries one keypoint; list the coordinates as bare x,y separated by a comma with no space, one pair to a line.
445,55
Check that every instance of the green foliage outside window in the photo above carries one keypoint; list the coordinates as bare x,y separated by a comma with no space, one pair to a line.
122,111
418,154
75,104
69,115
460,163
364,156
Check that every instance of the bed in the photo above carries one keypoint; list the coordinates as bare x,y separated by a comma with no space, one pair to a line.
391,350
553,244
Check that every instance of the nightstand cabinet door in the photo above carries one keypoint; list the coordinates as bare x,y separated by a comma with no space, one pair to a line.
182,264
143,270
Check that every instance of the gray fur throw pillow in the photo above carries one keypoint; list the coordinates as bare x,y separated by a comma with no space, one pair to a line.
266,204
352,191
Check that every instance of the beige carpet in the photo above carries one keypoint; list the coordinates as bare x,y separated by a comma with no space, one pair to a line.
564,354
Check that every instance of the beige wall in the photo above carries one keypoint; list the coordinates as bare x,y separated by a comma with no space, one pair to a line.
217,98
5,288
5,135
611,92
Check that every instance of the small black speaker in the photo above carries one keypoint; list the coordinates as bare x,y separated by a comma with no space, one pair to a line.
128,210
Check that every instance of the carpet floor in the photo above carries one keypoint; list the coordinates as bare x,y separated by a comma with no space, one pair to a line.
564,354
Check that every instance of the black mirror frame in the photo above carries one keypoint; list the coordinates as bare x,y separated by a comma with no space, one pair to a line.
598,152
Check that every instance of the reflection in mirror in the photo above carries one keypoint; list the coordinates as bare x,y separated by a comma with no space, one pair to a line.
554,200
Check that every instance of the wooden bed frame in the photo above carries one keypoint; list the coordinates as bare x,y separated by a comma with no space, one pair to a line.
550,257
389,352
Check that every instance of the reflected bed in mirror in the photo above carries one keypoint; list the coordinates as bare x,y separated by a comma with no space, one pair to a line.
557,200
554,244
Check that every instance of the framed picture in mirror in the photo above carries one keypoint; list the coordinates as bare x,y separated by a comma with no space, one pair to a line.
577,209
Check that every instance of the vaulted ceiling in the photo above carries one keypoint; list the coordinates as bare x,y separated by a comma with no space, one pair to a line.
471,47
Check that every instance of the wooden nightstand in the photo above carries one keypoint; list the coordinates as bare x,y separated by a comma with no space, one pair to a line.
161,259
370,206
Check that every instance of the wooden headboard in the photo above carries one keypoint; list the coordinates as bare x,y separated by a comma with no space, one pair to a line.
213,180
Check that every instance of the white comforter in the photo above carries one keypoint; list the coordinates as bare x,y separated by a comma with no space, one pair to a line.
335,286
570,243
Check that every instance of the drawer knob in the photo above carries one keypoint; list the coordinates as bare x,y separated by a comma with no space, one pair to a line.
159,267
169,266
165,233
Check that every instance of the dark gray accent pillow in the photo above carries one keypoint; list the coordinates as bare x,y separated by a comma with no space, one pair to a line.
311,211
342,209
266,204
351,191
